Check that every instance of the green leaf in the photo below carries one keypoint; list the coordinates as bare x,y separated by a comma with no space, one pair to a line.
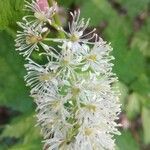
23,128
97,11
33,145
65,3
141,39
126,65
126,141
141,85
134,7
22,124
2,147
10,10
146,124
12,86
133,106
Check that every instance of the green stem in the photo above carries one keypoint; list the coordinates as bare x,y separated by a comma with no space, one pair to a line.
50,2
57,19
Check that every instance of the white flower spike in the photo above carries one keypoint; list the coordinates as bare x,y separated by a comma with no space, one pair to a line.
77,104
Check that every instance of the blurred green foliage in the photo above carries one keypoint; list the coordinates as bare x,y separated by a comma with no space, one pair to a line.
124,23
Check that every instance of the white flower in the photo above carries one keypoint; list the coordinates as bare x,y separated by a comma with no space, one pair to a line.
97,119
52,117
98,110
42,12
77,28
28,39
51,106
99,84
40,77
68,62
90,138
76,33
98,58
76,36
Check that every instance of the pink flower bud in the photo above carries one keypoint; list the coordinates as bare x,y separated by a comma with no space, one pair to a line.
43,4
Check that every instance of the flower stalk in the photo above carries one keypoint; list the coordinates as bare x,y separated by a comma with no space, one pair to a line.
77,104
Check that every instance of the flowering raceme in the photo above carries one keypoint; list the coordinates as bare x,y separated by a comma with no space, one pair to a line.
77,104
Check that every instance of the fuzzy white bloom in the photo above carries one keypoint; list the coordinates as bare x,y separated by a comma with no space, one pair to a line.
76,34
77,104
27,40
42,13
40,77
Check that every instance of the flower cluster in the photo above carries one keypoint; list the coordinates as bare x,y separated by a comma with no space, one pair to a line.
77,104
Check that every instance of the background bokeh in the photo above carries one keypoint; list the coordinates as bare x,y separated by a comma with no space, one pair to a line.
124,23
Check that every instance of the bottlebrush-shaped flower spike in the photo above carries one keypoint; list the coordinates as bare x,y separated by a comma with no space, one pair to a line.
77,103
